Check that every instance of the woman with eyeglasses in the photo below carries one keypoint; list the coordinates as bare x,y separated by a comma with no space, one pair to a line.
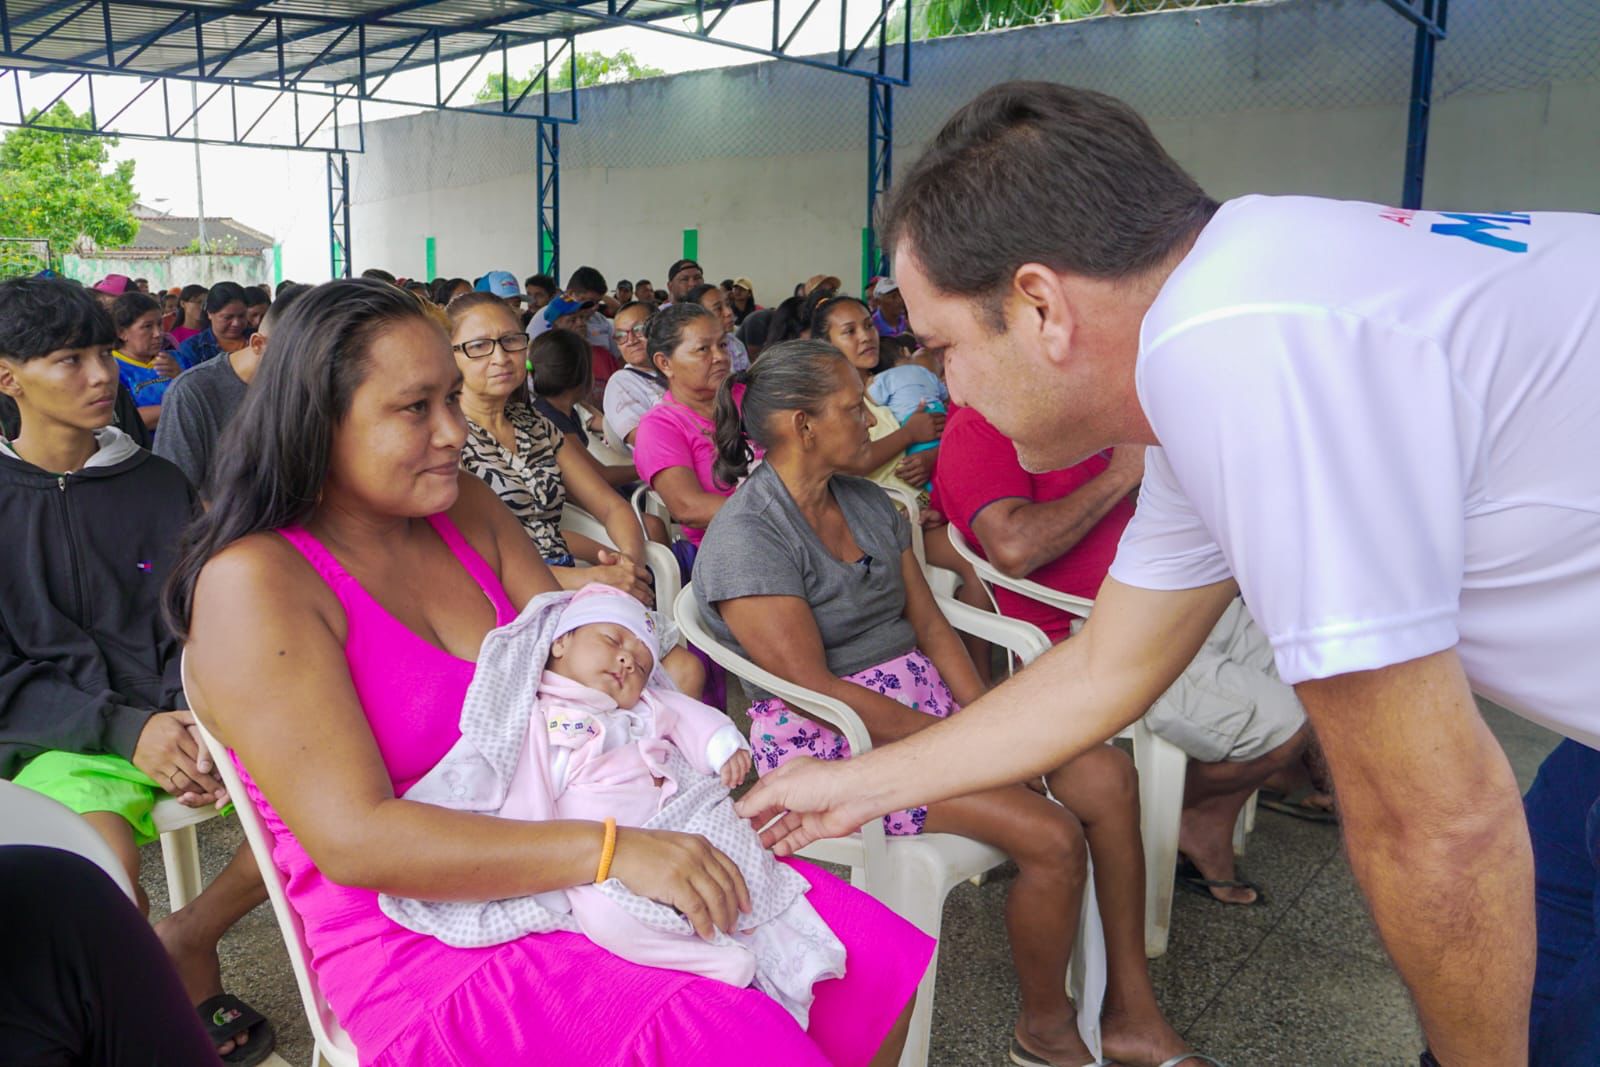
638,386
521,455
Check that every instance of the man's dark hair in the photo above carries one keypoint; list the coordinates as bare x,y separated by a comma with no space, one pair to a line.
286,283
1035,172
287,295
378,274
41,315
542,281
587,280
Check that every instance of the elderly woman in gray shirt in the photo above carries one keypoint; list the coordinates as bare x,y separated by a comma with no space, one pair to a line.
809,572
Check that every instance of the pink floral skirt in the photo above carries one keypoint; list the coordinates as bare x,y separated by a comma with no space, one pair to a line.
778,733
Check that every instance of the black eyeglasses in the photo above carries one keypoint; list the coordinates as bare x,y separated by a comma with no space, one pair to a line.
479,347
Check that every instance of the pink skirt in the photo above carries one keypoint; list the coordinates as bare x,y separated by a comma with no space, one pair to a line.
778,733
560,999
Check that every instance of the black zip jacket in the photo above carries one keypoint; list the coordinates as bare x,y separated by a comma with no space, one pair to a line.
85,659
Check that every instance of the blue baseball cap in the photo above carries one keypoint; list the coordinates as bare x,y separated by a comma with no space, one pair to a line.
501,283
562,306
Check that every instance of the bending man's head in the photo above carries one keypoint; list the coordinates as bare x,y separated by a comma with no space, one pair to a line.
1029,235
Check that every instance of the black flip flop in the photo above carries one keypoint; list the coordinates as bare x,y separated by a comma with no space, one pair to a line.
1297,809
225,1017
1190,878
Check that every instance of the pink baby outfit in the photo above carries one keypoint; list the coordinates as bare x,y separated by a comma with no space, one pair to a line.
408,999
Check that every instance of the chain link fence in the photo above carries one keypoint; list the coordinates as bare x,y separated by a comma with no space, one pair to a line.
23,255
1188,58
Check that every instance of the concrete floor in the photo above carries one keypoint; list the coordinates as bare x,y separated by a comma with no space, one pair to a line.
1299,980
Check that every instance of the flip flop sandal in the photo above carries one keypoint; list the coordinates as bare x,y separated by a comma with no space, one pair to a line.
1023,1058
1190,878
1298,809
225,1017
1185,1057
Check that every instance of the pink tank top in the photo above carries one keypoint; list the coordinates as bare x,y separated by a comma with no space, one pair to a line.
411,691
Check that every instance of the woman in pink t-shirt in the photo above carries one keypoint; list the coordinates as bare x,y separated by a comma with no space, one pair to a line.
673,449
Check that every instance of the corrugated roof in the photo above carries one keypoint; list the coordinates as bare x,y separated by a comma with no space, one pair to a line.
323,40
164,232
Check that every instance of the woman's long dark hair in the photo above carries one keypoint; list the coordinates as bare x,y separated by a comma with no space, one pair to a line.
221,295
789,376
188,293
272,459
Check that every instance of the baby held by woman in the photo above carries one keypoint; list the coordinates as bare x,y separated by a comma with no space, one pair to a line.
605,737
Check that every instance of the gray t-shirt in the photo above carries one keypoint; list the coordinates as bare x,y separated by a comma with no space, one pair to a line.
760,545
193,413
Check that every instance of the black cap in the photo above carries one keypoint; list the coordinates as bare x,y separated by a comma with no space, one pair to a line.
682,264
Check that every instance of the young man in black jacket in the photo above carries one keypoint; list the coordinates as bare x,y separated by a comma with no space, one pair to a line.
91,702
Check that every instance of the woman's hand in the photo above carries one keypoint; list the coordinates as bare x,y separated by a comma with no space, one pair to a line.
928,518
917,468
166,365
737,769
685,872
621,572
925,425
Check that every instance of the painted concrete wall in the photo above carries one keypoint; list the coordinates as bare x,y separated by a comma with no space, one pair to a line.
767,161
164,272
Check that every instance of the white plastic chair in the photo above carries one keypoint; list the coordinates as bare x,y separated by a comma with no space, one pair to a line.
599,447
913,875
1163,766
180,848
663,565
943,582
29,818
646,501
332,1047
614,438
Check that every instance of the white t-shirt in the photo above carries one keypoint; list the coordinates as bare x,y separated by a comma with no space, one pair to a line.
1386,425
629,394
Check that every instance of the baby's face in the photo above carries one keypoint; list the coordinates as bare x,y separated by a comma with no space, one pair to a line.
606,657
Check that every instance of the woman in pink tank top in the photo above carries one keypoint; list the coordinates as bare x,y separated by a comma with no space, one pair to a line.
333,600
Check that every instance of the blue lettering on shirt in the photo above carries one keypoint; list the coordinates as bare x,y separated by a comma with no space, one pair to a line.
1479,229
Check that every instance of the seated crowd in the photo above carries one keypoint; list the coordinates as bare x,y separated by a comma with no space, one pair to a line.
272,483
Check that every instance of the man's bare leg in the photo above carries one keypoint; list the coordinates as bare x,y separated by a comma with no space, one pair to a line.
191,933
1213,796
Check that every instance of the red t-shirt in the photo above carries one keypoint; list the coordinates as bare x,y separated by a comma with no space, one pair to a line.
978,466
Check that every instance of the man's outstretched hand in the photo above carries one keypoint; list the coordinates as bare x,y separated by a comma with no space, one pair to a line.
813,798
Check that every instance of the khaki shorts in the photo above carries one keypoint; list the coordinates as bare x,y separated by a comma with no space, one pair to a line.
1229,704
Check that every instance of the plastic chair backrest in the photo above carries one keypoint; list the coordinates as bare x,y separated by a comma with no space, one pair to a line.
29,818
599,447
658,558
333,1042
835,713
992,576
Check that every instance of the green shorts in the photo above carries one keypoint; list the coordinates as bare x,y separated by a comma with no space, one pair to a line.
96,783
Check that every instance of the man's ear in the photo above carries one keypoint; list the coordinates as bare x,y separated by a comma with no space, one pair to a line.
9,385
1040,308
258,342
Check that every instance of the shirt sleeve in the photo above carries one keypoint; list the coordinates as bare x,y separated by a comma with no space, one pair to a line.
977,466
726,569
1322,459
660,444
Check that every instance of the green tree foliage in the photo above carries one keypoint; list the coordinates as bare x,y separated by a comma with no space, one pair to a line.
57,186
948,18
594,68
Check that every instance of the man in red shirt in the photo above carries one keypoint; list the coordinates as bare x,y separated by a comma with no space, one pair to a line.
1228,712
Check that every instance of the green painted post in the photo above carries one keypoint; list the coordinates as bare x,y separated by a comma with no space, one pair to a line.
866,257
429,270
691,244
547,252
277,265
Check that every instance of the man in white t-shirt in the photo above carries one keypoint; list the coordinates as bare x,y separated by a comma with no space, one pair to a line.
1378,425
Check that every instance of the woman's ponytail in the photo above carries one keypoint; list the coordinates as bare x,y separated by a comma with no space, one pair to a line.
733,442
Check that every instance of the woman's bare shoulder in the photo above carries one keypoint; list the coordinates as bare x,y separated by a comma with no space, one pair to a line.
264,579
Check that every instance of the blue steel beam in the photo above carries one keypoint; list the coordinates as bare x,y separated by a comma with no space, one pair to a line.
547,176
1421,108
